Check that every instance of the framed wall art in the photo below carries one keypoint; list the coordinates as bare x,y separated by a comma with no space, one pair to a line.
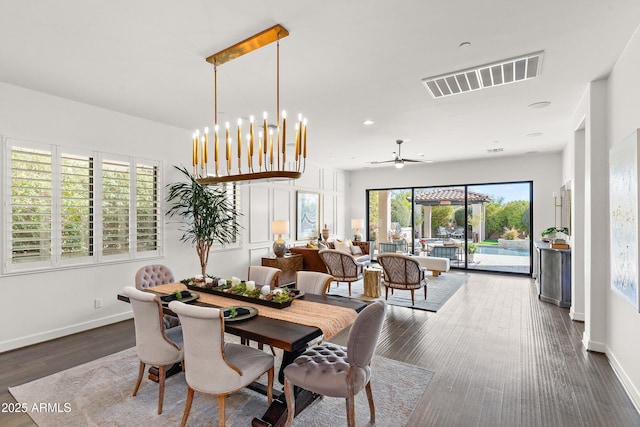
623,205
307,215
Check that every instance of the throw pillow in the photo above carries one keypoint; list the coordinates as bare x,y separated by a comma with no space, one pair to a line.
322,245
342,247
355,250
349,242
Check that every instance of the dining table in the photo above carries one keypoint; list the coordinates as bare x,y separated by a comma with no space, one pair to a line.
308,320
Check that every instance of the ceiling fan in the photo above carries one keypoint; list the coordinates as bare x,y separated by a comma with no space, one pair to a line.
398,161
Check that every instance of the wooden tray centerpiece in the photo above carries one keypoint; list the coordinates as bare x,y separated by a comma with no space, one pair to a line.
276,298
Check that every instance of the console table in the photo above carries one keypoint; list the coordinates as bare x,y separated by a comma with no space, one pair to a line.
288,264
553,274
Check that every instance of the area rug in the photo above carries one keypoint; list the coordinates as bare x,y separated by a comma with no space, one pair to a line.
439,290
98,393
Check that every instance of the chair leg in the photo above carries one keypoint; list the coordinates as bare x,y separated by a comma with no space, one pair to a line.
187,406
140,374
386,292
162,374
412,297
291,402
372,409
270,375
425,292
221,412
349,283
351,411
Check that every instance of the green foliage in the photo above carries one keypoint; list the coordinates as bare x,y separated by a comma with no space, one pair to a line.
458,216
551,230
401,208
510,234
209,216
472,248
440,216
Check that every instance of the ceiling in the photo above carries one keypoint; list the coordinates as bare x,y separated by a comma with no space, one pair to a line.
343,62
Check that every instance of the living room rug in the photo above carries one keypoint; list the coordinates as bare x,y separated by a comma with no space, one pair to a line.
99,393
439,290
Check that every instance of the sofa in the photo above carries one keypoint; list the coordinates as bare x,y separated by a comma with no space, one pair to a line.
311,261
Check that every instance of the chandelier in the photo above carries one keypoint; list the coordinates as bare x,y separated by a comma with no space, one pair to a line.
262,154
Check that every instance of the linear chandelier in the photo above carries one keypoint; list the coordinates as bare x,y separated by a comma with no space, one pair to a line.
266,155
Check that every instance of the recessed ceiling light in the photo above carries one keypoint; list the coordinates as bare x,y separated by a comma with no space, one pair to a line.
541,104
368,122
494,150
534,134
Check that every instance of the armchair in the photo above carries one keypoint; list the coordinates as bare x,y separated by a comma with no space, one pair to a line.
402,272
342,266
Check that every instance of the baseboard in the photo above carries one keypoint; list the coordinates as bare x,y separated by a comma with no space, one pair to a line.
61,332
627,383
593,345
577,317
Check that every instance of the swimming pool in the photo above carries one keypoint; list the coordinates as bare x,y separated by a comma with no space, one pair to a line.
496,250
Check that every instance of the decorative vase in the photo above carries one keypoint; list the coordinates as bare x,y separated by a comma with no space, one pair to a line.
325,233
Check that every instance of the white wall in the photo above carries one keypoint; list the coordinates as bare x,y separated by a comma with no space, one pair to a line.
544,170
47,305
623,118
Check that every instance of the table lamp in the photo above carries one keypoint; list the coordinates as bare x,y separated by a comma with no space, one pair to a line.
357,224
279,227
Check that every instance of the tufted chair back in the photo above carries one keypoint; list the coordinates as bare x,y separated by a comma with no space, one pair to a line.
153,275
331,370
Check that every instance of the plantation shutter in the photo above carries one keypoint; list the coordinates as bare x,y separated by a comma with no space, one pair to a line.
77,205
147,208
115,207
31,205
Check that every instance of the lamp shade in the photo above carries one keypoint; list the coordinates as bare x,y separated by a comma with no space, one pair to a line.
357,223
280,226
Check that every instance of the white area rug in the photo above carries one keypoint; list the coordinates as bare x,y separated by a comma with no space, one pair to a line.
98,393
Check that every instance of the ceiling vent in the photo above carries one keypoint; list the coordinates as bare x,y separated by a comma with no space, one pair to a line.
499,73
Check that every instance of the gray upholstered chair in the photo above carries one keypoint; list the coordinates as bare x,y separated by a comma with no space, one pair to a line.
342,266
263,275
402,272
154,345
154,275
313,282
334,371
213,366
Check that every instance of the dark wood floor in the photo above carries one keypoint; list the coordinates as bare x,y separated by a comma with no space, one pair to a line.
500,357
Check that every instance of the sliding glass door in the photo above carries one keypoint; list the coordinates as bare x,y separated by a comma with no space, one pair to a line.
478,227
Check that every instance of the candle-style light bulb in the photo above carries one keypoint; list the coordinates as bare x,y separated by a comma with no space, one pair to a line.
215,150
304,138
239,144
265,132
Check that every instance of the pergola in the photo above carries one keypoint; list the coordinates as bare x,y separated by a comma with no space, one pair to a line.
451,197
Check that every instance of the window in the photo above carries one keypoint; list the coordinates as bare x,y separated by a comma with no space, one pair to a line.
31,206
51,196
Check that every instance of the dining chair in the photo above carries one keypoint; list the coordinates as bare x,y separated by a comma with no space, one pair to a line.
335,371
342,266
213,366
154,275
263,275
402,272
313,282
154,345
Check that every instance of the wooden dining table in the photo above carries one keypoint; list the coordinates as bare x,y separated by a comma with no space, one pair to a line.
293,335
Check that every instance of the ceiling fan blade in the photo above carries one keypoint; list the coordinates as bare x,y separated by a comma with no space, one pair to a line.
383,161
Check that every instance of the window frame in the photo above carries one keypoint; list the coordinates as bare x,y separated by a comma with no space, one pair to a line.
56,261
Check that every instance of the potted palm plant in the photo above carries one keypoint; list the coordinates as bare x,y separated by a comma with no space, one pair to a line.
208,215
472,248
